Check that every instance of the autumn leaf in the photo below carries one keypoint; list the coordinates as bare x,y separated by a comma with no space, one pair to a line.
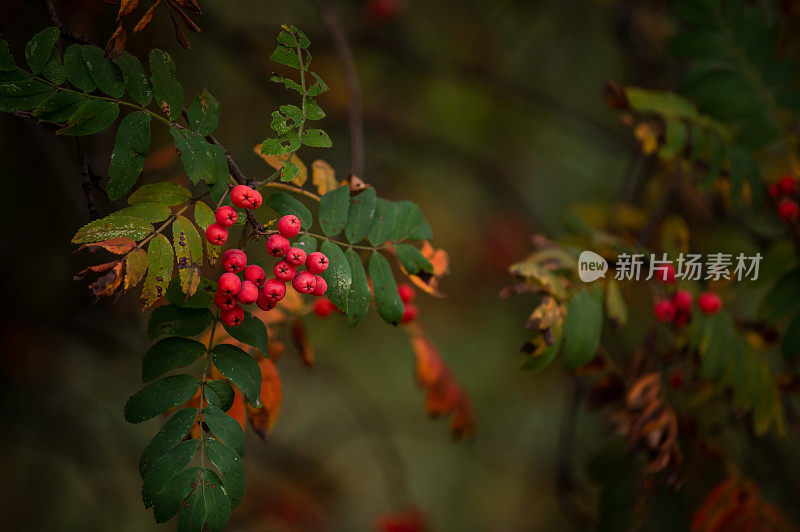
126,7
323,176
301,343
146,19
263,418
118,246
276,161
440,261
116,43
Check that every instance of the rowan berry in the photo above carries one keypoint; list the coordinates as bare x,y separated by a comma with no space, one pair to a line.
216,234
233,316
406,292
323,307
788,210
709,303
304,282
255,200
229,284
277,245
226,216
317,262
320,287
296,256
787,185
410,313
682,299
224,301
255,274
289,225
666,273
242,196
248,293
274,289
664,310
234,260
284,271
264,302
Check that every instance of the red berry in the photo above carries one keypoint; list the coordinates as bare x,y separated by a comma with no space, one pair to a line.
233,316
248,293
229,284
788,210
304,282
224,301
665,273
316,262
676,379
410,313
664,310
682,301
255,199
234,260
709,303
284,271
226,216
241,196
406,292
277,245
216,234
787,185
296,256
255,274
289,225
264,302
774,191
275,289
323,307
321,287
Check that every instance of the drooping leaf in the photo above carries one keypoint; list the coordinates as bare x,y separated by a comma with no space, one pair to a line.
24,94
412,259
333,210
178,321
240,368
384,222
225,428
284,204
359,295
91,117
137,84
387,300
165,192
307,243
160,257
582,327
218,506
285,56
135,267
251,331
77,72
170,353
188,253
112,226
323,176
165,468
167,90
203,217
127,158
160,396
192,513
196,155
102,70
222,175
39,49
203,114
337,275
170,435
360,215
220,394
229,464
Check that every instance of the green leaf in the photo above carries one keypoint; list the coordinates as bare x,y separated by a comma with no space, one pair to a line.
790,346
196,155
150,212
384,222
24,94
222,180
177,321
317,88
77,72
314,111
165,468
171,434
160,396
411,223
218,507
103,72
7,63
412,259
167,90
225,428
203,114
288,83
338,275
135,78
159,259
39,49
135,267
782,298
544,357
60,107
170,353
307,243
582,327
188,253
193,512
203,298
285,56
675,134
289,171
240,368
229,464
316,138
333,209
280,146
387,300
220,394
54,70
112,226
251,331
127,158
360,215
359,295
165,192
744,169
93,116
175,491
616,308
284,204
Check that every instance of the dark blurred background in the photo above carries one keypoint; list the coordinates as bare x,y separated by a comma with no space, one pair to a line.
489,114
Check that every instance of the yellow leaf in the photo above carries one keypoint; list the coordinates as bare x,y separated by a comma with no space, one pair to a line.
323,176
276,161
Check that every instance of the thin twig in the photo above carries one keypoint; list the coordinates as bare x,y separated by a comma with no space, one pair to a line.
236,172
86,181
66,33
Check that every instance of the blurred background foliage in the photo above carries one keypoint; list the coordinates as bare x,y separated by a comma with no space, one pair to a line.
491,116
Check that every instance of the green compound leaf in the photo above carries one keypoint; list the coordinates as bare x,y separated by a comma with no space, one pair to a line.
307,243
284,204
230,466
225,428
338,275
203,114
178,321
218,506
411,223
285,56
166,192
240,368
412,259
54,70
582,327
203,298
127,158
360,216
196,155
359,295
188,253
77,72
150,212
251,331
39,49
316,138
168,354
165,468
137,84
387,300
113,226
333,210
103,72
160,396
159,259
220,394
384,222
171,434
167,90
24,94
175,491
93,116
60,107
193,511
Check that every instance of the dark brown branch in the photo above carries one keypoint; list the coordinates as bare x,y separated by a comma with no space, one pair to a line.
87,181
66,33
237,174
355,115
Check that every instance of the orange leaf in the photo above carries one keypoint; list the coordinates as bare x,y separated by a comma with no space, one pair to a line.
118,246
323,176
126,7
276,161
236,411
440,261
116,43
263,418
300,341
146,19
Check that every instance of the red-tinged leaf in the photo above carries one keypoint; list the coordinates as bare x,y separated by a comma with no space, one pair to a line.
462,424
301,343
179,35
263,418
714,501
126,7
429,367
440,261
188,22
96,268
146,19
442,397
118,246
191,5
116,43
107,284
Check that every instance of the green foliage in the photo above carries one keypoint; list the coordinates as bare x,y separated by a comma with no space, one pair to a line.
240,368
387,300
283,204
127,158
338,275
333,210
251,331
168,354
360,215
582,328
159,396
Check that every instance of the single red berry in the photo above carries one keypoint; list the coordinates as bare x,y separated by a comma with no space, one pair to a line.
304,282
406,292
226,216
255,274
224,301
788,210
233,316
248,293
682,299
666,273
216,234
277,245
255,199
241,196
773,190
410,313
676,379
234,260
229,284
274,289
289,225
323,307
316,262
296,256
709,303
264,302
320,287
787,185
284,271
664,310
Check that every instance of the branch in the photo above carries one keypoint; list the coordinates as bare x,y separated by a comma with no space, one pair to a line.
66,33
236,172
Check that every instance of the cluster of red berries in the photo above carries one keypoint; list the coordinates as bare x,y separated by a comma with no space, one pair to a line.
324,307
256,288
678,308
243,197
784,191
